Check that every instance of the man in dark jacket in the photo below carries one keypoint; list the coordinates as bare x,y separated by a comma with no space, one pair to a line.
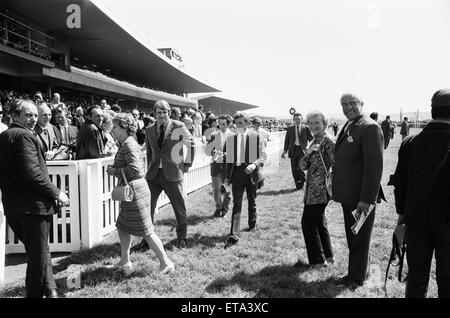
295,142
356,181
418,201
404,129
29,196
386,129
91,141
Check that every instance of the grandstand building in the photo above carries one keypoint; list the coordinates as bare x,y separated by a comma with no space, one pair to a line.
219,105
42,49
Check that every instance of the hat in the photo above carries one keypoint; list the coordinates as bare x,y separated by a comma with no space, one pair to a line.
441,98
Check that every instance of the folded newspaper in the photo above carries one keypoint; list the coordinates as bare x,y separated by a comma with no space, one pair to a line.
360,218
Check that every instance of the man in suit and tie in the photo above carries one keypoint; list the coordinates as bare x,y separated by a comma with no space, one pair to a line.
356,181
295,142
67,134
29,196
245,157
167,164
215,148
46,132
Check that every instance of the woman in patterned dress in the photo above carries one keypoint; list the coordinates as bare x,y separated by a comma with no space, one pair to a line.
314,222
134,217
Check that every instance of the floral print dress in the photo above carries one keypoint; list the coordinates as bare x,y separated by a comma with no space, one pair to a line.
315,190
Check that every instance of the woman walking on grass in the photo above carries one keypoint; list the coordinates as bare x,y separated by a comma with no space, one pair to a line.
134,217
318,159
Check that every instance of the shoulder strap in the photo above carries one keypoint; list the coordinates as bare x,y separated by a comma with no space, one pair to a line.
320,154
123,175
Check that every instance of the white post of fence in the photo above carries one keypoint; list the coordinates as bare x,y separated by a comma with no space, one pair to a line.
90,199
2,242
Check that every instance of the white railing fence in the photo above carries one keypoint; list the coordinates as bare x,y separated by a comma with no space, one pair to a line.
92,214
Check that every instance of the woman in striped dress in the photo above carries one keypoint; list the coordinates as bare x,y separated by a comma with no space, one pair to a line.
134,217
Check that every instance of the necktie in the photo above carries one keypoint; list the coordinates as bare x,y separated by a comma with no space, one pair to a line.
161,136
242,150
297,136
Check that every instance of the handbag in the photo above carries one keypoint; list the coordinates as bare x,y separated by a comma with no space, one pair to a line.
328,176
124,192
397,253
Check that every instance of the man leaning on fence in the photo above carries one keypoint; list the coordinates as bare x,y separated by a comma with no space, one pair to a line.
29,196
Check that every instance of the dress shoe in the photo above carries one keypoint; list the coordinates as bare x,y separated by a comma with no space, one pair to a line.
217,213
318,266
181,244
224,212
350,283
168,269
51,293
230,242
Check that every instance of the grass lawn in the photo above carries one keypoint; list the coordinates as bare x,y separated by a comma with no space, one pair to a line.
260,265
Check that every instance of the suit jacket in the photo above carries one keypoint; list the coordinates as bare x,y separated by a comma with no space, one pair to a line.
78,121
404,129
90,142
358,164
72,134
289,141
255,152
50,141
171,153
215,143
24,181
419,158
386,128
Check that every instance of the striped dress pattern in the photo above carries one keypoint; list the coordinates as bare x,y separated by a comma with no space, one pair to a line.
134,217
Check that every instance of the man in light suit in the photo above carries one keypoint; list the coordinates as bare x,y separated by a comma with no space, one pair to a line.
215,147
29,196
295,142
46,132
67,134
167,163
356,181
245,157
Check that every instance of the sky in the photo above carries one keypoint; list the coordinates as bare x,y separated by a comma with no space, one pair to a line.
279,54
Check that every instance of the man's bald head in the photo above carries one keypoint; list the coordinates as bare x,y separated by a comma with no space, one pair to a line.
352,104
44,114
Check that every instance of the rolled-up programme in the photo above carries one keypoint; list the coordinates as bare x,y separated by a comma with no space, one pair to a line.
360,218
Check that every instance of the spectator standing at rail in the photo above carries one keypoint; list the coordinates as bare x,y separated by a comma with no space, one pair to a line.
29,196
91,141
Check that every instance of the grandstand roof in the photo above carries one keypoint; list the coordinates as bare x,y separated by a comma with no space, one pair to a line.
224,104
105,41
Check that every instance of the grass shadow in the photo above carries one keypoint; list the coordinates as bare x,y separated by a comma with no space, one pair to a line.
277,282
276,192
88,256
13,292
191,220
